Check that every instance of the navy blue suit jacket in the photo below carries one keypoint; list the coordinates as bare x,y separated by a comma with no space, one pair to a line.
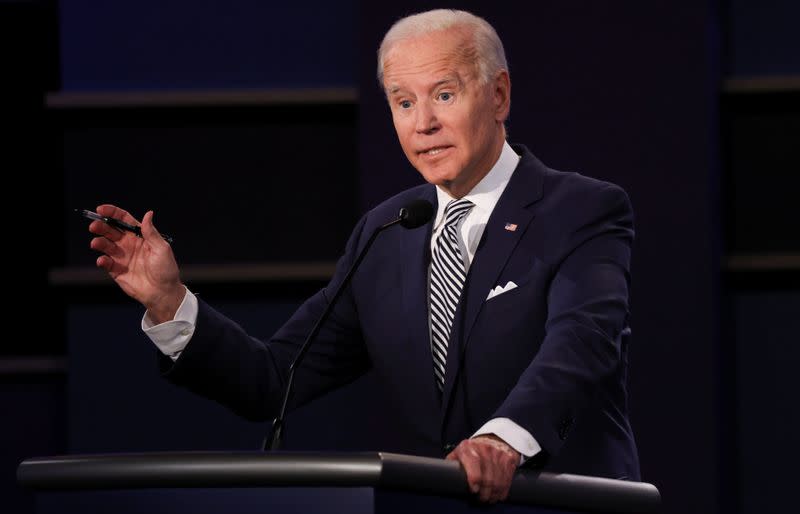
551,354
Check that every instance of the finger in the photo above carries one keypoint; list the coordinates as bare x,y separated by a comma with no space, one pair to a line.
494,464
104,229
112,211
494,484
149,231
101,244
113,267
472,466
487,491
506,468
105,262
505,487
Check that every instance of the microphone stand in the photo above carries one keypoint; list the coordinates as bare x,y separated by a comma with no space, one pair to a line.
275,440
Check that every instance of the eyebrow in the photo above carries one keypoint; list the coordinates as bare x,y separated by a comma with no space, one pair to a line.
394,89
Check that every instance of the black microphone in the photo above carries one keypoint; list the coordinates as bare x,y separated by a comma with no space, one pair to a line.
413,215
416,213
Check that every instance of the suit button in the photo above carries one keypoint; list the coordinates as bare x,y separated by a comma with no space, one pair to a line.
446,449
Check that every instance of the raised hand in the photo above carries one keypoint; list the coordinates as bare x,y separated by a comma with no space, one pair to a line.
143,267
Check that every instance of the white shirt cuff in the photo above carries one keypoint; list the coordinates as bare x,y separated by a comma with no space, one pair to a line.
514,435
171,337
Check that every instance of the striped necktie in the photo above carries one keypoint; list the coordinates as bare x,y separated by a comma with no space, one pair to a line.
447,280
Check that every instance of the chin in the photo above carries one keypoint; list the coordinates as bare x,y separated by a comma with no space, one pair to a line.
437,177
437,180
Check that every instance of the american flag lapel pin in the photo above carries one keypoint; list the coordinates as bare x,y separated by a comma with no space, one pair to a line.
511,227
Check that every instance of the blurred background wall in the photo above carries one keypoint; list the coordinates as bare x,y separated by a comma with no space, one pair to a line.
230,118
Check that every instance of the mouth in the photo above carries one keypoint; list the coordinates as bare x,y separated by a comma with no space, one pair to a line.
433,151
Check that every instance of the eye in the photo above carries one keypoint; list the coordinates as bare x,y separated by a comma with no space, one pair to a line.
405,104
445,97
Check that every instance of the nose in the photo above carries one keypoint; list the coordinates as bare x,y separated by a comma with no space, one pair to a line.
426,122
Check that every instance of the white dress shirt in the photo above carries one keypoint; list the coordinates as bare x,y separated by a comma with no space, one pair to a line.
171,337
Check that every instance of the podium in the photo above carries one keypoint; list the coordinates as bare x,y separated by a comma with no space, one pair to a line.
358,483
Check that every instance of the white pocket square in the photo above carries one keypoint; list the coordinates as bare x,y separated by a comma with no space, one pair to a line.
501,289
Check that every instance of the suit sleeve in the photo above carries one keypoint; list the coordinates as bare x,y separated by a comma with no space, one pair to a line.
588,308
223,363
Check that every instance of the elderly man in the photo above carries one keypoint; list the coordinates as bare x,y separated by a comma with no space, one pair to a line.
500,329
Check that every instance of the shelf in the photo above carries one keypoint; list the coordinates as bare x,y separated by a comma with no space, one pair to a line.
43,365
768,84
210,274
199,98
763,262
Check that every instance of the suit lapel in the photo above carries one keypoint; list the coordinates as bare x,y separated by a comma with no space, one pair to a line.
496,246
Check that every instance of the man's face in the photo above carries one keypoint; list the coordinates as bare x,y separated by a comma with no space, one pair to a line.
449,124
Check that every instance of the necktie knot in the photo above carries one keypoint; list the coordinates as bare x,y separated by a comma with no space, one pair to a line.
456,210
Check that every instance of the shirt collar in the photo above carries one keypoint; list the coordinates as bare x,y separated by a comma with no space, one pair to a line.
487,192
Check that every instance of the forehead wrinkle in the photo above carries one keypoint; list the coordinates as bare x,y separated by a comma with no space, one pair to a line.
443,68
447,59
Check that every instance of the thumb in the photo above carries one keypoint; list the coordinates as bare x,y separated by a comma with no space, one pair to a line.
149,232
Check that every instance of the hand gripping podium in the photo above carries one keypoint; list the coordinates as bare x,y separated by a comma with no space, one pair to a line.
357,483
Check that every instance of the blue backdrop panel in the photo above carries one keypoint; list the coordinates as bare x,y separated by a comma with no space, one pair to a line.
33,425
152,44
768,414
763,38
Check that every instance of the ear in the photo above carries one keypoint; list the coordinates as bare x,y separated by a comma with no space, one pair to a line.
501,95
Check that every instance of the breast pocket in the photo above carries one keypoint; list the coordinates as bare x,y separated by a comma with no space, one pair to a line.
520,281
530,287
507,299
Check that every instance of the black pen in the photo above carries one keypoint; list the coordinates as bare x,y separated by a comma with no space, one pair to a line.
118,224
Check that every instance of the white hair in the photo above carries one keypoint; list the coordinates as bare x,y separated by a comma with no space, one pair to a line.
487,48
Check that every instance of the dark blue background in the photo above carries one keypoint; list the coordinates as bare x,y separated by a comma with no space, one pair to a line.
210,44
